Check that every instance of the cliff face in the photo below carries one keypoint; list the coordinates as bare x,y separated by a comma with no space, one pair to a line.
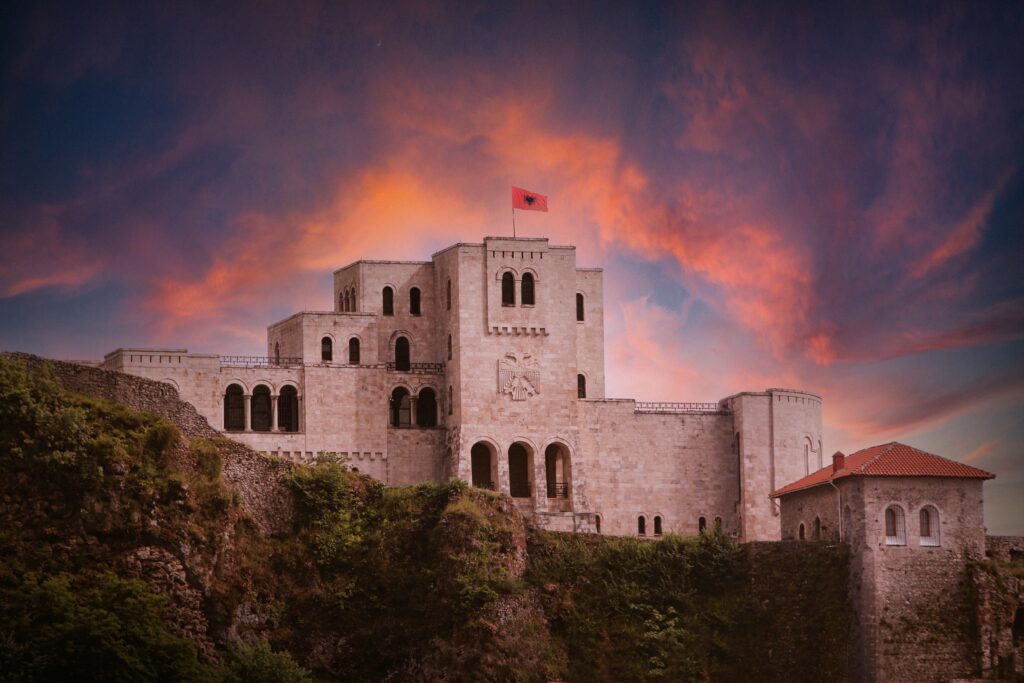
112,486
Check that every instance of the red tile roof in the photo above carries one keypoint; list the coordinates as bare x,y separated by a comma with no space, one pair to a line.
888,460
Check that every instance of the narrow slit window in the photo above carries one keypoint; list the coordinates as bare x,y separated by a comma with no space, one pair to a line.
414,301
579,307
581,386
388,301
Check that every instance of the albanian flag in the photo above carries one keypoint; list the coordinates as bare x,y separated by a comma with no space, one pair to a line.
528,201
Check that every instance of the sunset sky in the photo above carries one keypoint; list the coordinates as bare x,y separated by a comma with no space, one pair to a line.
779,198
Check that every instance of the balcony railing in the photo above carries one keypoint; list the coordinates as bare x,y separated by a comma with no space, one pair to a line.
258,361
662,407
558,490
418,368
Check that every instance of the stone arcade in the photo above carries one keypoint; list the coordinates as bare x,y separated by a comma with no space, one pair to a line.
486,363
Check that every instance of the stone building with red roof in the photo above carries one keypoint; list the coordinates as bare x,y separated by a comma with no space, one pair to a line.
913,523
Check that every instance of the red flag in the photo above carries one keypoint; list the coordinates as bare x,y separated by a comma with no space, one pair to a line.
528,201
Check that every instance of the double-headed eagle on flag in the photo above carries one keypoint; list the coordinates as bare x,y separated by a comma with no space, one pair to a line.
518,375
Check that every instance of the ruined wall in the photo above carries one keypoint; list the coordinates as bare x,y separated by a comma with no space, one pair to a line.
256,478
679,467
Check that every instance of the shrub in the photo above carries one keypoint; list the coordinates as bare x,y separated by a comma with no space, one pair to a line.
259,664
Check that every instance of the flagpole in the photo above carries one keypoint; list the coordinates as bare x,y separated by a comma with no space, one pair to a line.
513,222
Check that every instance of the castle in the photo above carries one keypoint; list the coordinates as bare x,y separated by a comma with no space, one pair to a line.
486,363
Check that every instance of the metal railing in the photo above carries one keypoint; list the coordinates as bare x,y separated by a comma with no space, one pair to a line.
663,407
259,361
418,368
558,490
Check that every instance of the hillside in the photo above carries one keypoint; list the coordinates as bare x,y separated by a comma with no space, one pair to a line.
137,544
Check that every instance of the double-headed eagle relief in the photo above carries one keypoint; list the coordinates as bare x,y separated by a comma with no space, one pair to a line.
518,375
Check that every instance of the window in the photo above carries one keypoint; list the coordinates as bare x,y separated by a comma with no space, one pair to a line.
597,523
895,526
261,408
657,525
581,386
341,302
352,305
929,526
817,529
579,307
802,534
508,290
527,290
520,466
449,399
414,301
449,295
718,525
345,307
326,350
449,347
353,351
702,525
641,526
426,408
402,354
389,301
234,409
401,413
484,466
288,409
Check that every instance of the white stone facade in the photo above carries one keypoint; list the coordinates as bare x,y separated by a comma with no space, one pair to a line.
493,371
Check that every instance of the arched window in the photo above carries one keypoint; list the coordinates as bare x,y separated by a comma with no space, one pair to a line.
718,525
450,403
400,411
817,529
341,302
579,307
346,307
484,466
326,350
929,526
234,409
641,526
414,301
527,290
261,408
581,386
352,305
449,295
895,526
508,290
288,409
353,351
426,408
557,470
449,347
389,301
520,467
277,353
657,525
802,534
702,525
402,354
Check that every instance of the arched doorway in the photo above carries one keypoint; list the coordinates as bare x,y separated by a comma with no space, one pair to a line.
401,413
234,409
402,354
261,408
558,475
484,466
520,465
288,409
426,408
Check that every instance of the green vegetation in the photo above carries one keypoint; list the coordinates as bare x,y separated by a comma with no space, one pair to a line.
416,583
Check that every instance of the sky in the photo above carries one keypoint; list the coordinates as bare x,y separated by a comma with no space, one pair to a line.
780,194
